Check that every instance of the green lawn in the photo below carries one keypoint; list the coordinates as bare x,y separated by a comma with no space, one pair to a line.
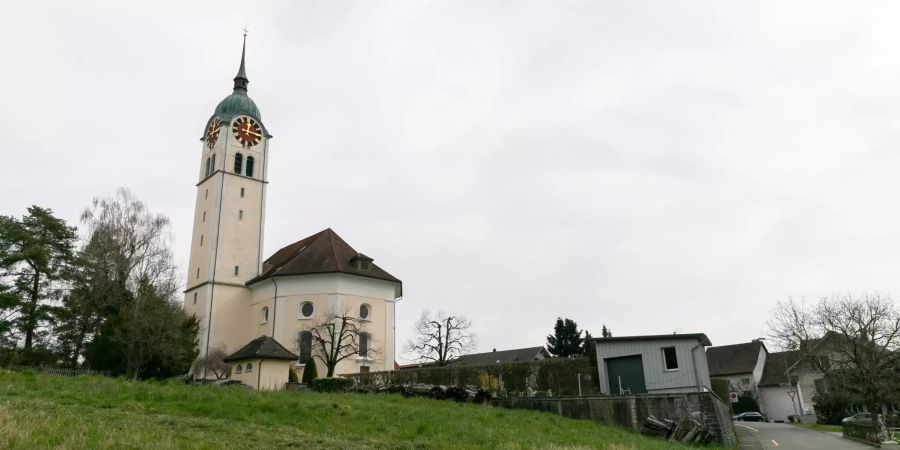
815,426
42,411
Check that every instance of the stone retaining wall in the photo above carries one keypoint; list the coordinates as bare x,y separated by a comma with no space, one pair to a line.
630,411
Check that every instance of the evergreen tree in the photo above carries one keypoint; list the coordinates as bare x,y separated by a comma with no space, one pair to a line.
566,340
309,371
605,333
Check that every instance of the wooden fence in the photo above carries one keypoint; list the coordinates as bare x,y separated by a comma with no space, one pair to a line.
63,371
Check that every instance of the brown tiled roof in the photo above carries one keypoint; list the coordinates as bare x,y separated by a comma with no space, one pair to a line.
502,356
733,359
262,347
323,252
777,364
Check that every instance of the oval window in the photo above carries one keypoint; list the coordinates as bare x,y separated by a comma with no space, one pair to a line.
249,367
364,311
306,309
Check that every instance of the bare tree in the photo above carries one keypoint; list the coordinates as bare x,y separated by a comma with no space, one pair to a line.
441,338
214,362
853,341
338,336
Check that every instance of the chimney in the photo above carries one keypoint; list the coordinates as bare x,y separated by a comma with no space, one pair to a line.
495,350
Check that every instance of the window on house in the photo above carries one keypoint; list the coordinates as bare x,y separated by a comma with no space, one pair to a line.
249,367
241,215
236,270
306,310
821,386
363,345
745,382
242,192
238,162
250,166
304,339
237,368
264,314
670,358
364,311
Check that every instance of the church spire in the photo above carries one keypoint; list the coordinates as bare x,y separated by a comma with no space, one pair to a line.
240,80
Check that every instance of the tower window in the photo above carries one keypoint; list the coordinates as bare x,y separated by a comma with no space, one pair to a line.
213,164
364,311
241,215
249,166
238,162
205,196
264,314
242,192
204,216
208,166
201,240
195,298
236,269
198,273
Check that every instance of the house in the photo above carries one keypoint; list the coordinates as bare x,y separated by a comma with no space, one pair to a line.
235,293
263,364
779,394
490,358
665,363
741,364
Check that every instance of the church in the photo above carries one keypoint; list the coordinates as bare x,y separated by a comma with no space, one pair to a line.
237,296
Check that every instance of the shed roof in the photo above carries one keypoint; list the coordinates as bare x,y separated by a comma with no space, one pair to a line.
263,347
323,252
656,337
733,359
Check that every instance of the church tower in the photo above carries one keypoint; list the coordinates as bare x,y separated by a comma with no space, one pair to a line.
227,240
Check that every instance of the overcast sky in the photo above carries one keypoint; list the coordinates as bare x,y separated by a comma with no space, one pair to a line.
653,166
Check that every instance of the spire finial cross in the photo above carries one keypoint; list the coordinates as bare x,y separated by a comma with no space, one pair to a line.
245,32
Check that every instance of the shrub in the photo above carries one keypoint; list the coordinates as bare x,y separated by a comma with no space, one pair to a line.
309,371
330,384
292,375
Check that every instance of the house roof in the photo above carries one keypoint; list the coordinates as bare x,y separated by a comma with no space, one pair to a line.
323,252
656,337
262,347
733,359
500,357
777,364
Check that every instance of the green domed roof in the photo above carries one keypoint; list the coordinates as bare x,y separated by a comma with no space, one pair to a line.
237,104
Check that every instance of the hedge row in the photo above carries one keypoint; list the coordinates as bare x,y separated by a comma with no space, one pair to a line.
552,376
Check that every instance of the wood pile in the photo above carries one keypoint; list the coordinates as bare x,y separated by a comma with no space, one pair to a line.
437,392
684,430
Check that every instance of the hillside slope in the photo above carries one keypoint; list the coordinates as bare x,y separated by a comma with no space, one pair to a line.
42,411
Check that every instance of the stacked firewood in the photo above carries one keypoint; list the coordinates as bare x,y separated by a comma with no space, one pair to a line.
437,392
684,430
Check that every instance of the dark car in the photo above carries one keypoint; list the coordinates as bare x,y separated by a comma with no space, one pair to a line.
749,417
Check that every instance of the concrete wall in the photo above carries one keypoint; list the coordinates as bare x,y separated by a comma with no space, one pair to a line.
657,378
630,411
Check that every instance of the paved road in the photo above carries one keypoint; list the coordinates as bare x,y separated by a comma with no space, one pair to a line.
782,436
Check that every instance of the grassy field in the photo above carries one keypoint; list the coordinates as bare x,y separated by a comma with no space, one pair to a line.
42,411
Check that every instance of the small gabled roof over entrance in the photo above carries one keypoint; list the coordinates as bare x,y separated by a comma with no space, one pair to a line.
263,347
323,252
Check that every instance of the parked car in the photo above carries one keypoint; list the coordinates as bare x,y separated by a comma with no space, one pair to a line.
750,417
864,418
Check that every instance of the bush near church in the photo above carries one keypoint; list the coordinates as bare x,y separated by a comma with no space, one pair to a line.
309,371
330,384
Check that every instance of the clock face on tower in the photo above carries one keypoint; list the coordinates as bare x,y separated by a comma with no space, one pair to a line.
212,134
247,131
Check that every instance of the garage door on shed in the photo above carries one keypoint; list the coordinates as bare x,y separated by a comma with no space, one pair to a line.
626,375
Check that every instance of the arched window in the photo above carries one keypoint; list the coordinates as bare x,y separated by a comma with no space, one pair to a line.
237,368
364,311
306,310
264,314
213,167
238,162
249,166
249,367
363,345
207,166
304,341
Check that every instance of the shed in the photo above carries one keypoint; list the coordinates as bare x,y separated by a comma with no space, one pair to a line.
263,364
664,363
